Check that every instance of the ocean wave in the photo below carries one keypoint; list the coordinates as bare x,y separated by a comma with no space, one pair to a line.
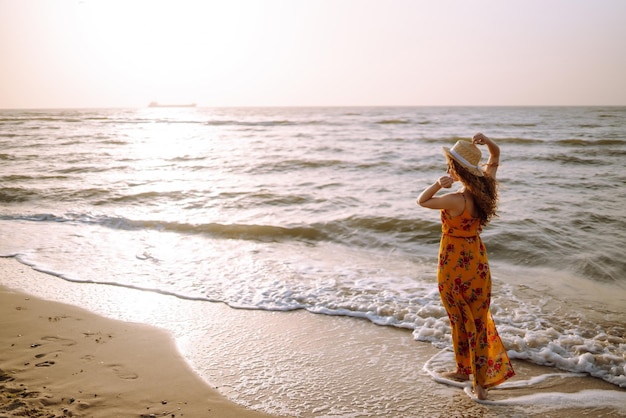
144,198
520,140
20,177
393,122
572,159
187,158
602,267
390,225
587,142
529,243
83,169
442,140
522,247
114,142
275,200
293,165
350,230
71,142
265,123
22,119
229,231
16,194
515,124
96,118
24,194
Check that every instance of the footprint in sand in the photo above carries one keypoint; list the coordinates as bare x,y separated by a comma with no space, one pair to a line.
42,355
46,363
4,377
122,372
63,341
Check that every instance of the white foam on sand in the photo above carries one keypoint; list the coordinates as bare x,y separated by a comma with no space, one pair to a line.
593,398
540,401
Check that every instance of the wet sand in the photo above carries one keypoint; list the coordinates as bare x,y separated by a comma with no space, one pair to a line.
59,360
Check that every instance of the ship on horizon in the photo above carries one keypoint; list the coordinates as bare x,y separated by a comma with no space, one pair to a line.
157,104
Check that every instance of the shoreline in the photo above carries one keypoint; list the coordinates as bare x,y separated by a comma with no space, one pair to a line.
133,368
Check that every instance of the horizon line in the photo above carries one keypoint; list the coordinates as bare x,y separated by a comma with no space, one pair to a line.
308,106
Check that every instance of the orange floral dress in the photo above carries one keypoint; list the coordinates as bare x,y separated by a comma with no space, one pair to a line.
464,283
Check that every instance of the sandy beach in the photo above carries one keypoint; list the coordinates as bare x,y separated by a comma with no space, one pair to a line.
57,360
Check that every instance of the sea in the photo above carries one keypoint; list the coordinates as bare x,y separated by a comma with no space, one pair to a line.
314,209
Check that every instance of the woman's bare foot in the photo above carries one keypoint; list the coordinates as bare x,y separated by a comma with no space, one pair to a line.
481,393
456,376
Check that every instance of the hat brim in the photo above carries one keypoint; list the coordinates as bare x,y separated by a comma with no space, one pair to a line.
474,170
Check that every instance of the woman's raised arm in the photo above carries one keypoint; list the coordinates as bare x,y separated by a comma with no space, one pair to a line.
494,153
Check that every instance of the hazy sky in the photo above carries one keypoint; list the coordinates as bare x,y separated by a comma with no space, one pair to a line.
109,53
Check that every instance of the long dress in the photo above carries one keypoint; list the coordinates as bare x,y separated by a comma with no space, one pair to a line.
464,281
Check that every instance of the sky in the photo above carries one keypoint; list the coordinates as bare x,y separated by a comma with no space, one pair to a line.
127,53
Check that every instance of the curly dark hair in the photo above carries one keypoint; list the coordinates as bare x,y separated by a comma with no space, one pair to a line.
484,191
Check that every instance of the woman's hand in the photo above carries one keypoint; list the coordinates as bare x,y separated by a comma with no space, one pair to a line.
479,139
449,201
445,181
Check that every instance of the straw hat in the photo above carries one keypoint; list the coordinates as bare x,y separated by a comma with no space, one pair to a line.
466,154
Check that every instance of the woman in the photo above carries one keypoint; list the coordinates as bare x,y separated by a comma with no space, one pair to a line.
463,274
